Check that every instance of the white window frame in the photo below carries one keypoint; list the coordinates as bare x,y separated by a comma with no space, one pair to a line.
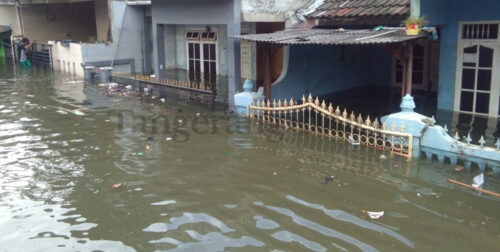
200,43
495,75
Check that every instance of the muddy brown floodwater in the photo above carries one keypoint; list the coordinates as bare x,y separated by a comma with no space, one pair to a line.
190,179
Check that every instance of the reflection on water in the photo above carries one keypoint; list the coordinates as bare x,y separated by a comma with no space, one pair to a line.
199,180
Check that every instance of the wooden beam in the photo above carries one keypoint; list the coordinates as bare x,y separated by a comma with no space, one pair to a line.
267,71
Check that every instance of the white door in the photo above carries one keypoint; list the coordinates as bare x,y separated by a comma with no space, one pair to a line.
477,82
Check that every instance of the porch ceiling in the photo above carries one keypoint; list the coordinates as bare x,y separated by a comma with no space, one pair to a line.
331,37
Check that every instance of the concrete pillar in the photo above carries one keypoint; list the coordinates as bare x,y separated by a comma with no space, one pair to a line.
159,50
233,51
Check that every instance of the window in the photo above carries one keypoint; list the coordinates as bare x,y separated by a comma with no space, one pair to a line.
477,84
420,68
202,54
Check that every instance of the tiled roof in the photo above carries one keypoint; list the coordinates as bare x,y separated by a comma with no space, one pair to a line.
331,37
332,9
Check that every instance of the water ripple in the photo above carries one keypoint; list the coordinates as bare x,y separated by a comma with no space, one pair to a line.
347,217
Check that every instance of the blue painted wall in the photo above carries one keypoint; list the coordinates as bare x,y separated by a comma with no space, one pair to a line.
319,70
447,14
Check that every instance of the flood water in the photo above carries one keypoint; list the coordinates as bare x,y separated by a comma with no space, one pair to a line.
196,180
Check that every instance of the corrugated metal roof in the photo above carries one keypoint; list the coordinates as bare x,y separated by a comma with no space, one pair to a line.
331,37
361,8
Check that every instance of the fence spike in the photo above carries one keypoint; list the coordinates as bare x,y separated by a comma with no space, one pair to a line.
323,104
352,116
274,102
310,98
316,101
384,126
337,111
303,99
253,102
393,127
456,137
291,101
285,103
376,124
368,122
344,114
498,144
481,141
468,139
402,128
279,102
330,108
360,119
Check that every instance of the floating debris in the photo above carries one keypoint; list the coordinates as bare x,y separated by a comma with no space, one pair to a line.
162,100
168,138
140,153
327,179
375,215
351,140
116,186
459,168
148,147
478,180
150,138
128,87
383,156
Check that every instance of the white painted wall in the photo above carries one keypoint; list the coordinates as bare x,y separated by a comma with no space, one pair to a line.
67,59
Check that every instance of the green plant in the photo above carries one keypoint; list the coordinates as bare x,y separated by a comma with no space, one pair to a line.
414,20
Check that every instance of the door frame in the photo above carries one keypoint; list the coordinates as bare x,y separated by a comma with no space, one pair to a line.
425,74
495,73
200,44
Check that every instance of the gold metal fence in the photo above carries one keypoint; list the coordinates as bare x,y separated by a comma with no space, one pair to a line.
319,119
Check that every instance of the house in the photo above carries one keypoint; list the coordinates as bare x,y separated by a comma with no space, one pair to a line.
343,53
469,61
192,42
84,32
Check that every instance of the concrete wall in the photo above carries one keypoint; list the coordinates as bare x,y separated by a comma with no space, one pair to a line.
74,21
442,14
127,31
67,58
8,16
102,19
320,70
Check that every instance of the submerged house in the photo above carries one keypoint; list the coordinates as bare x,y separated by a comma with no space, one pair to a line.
192,42
83,32
343,54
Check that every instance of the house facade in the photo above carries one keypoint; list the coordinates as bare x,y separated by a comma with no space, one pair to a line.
469,62
192,39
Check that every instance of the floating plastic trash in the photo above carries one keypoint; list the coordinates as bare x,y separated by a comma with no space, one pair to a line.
168,138
478,180
128,87
327,179
140,153
150,138
375,215
78,112
116,186
148,147
351,140
383,156
162,99
459,168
